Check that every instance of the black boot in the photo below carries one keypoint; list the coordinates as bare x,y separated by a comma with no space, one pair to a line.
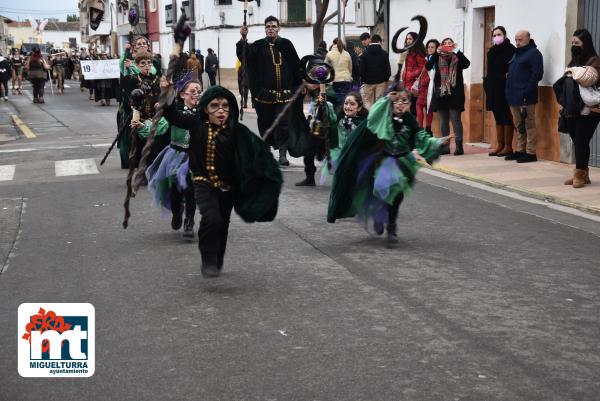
188,228
514,156
283,161
177,219
459,148
391,234
309,181
210,268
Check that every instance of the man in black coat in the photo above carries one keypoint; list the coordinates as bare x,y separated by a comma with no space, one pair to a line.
375,71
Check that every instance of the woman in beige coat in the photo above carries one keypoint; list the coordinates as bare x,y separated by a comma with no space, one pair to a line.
341,61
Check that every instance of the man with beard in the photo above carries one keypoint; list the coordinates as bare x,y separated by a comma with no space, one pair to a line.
273,69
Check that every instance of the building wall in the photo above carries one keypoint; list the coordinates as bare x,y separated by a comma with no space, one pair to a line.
21,35
60,39
153,21
550,24
222,40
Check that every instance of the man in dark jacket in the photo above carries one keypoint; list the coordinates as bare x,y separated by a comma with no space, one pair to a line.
525,70
355,65
212,66
375,71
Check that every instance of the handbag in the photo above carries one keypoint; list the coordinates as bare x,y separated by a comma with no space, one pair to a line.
414,90
590,95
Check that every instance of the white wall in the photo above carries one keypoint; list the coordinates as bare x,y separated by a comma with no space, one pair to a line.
60,38
207,15
546,20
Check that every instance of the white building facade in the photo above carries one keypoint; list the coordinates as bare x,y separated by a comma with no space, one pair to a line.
216,24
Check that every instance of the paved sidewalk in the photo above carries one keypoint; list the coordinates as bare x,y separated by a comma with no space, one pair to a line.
541,180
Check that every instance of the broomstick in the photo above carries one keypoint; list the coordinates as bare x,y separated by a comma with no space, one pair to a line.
243,66
181,32
137,97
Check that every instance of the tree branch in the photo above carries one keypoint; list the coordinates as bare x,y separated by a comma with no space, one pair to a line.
329,17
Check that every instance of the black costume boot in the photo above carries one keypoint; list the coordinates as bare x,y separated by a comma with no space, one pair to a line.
391,234
177,219
188,228
283,161
210,268
309,181
459,148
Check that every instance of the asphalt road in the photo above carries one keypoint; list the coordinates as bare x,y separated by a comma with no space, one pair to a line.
485,297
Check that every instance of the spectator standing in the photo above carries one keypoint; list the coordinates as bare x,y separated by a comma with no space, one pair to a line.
365,39
375,71
355,66
581,128
212,65
424,112
322,50
5,75
341,61
494,85
413,68
525,70
193,64
449,92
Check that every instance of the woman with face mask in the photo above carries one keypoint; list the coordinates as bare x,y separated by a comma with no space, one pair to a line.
448,91
494,85
581,128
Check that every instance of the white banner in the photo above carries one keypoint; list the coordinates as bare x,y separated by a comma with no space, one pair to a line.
100,69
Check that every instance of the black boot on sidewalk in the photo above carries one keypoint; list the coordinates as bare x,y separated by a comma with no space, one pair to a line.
283,161
459,148
514,156
309,181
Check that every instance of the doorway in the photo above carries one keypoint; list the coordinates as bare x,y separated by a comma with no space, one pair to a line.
489,124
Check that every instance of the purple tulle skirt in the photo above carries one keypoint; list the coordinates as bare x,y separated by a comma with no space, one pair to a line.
169,170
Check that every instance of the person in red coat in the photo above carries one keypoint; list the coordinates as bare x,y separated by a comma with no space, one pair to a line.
424,112
413,66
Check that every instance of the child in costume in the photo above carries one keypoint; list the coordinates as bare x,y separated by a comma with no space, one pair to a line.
169,178
231,168
376,167
150,85
353,113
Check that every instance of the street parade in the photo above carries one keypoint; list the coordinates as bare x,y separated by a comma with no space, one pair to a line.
312,200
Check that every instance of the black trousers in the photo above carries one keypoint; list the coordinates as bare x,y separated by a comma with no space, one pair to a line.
215,207
581,129
186,198
38,87
316,150
212,77
393,209
5,85
266,114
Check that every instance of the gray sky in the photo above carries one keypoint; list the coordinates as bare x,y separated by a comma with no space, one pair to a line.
20,9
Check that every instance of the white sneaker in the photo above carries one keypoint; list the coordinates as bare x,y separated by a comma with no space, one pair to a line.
5,99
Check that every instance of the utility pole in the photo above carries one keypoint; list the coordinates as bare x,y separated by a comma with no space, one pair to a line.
339,20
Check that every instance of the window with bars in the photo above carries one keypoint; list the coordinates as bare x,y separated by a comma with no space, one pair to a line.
169,14
188,6
295,11
223,2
